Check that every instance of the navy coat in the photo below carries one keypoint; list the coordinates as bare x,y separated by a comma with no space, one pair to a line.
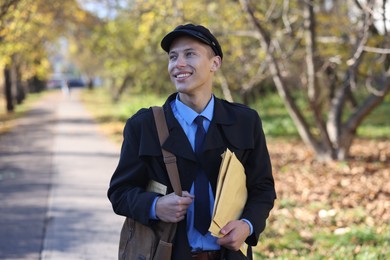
234,126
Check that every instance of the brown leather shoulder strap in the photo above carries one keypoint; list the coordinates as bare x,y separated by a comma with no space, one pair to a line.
169,158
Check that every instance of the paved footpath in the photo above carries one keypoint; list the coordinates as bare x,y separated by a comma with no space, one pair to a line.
55,167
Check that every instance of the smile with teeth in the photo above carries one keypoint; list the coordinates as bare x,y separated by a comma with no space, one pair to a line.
183,75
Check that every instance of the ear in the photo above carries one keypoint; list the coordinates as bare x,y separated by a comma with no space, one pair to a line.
216,63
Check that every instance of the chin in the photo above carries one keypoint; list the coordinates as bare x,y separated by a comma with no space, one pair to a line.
181,89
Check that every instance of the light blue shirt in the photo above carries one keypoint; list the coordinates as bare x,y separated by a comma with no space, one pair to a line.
186,116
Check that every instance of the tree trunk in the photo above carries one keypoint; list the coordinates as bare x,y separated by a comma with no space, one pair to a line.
310,51
121,89
331,139
292,108
225,87
311,69
90,84
20,91
8,89
36,85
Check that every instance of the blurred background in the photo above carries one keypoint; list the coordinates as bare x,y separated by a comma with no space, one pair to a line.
318,73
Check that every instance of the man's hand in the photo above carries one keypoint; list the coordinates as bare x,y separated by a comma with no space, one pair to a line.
234,234
172,208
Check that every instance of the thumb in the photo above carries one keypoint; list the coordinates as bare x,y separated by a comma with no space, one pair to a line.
187,194
227,228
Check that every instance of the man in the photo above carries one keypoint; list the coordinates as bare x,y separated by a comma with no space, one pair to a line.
194,56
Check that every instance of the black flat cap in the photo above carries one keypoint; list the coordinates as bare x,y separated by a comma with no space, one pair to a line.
196,31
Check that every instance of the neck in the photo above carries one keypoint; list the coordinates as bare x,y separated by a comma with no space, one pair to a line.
197,102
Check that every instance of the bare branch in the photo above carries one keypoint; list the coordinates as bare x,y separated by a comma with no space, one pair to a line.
384,20
358,4
342,95
374,91
376,50
251,34
270,10
286,21
225,86
295,113
330,39
367,106
258,77
310,49
363,40
311,57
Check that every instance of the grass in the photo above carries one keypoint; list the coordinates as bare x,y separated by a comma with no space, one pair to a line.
276,121
112,116
300,241
7,119
378,123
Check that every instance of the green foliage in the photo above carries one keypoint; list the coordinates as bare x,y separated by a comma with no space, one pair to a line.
378,124
129,43
276,121
334,247
299,241
18,33
124,49
106,111
7,120
359,242
28,27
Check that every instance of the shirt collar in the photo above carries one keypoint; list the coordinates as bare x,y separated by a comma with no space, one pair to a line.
188,114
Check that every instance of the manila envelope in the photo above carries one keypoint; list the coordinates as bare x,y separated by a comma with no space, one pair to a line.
231,194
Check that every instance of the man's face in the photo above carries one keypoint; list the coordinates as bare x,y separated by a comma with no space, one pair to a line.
191,65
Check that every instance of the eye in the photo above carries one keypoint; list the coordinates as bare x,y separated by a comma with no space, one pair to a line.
190,53
172,56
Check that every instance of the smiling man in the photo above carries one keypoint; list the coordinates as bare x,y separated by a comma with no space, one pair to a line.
201,128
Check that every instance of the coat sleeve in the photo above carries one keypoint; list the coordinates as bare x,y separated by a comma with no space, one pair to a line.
130,178
260,184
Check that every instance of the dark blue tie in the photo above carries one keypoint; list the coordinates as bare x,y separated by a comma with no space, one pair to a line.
202,201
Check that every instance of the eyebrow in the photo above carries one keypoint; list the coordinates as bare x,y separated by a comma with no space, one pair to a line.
185,50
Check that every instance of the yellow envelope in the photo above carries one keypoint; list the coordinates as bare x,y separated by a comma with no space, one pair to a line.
231,194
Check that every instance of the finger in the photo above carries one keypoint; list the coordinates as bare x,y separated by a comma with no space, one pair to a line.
179,218
186,199
238,231
181,209
227,228
228,242
187,194
224,241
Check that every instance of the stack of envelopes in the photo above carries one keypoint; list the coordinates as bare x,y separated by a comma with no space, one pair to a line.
231,194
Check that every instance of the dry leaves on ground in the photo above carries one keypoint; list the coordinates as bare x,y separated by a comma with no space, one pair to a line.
336,194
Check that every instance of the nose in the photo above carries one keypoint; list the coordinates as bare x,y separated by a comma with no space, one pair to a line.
181,61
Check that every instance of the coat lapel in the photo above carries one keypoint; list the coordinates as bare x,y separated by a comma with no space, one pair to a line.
224,132
177,141
214,137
